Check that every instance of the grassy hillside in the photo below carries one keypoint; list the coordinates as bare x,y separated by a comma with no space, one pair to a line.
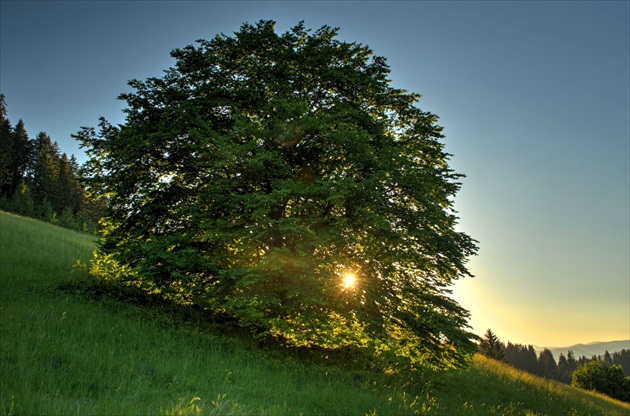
64,353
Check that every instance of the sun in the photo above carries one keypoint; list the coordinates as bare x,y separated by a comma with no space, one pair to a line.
349,280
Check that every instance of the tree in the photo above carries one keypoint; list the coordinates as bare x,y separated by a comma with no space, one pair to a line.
261,168
22,201
70,192
608,361
6,151
491,346
564,369
622,358
19,147
595,375
45,171
547,366
571,362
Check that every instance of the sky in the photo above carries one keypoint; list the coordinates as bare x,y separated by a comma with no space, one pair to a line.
533,98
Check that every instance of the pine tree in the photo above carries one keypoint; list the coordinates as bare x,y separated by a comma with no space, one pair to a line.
512,355
564,371
67,220
76,199
491,346
7,138
547,366
608,361
22,201
20,158
622,358
69,190
44,210
45,172
571,361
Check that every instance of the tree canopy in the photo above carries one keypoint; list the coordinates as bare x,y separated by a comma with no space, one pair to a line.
263,170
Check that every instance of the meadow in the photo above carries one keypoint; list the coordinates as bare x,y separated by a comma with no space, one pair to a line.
69,348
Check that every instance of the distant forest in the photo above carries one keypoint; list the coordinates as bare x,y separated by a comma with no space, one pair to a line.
39,181
545,365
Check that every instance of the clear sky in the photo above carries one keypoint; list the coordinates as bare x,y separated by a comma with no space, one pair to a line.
534,98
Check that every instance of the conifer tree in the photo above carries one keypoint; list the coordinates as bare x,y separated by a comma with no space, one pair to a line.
622,358
608,361
45,172
22,202
531,360
547,366
571,362
20,158
69,193
6,152
564,371
491,346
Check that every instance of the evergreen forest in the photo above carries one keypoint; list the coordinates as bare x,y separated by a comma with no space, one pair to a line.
608,374
37,180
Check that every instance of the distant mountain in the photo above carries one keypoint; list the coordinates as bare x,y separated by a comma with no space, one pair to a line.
588,350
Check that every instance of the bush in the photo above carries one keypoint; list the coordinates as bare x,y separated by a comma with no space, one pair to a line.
594,375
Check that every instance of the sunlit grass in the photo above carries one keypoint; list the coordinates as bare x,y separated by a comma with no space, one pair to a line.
64,354
494,388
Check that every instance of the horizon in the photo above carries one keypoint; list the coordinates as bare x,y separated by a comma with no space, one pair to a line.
534,99
582,343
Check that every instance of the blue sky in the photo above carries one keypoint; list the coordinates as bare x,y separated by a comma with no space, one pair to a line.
533,96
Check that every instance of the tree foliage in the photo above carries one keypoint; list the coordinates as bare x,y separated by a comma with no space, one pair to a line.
262,167
609,380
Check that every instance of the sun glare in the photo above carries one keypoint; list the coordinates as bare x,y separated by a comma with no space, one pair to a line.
349,280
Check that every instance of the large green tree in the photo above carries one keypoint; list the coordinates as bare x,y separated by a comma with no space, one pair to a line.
263,168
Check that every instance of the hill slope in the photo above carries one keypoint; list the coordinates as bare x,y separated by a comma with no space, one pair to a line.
62,353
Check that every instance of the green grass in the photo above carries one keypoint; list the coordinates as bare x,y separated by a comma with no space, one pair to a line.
65,353
490,387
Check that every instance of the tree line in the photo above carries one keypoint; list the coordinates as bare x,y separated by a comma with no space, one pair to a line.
37,180
608,374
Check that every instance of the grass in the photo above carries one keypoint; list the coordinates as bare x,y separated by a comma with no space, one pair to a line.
490,387
63,353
